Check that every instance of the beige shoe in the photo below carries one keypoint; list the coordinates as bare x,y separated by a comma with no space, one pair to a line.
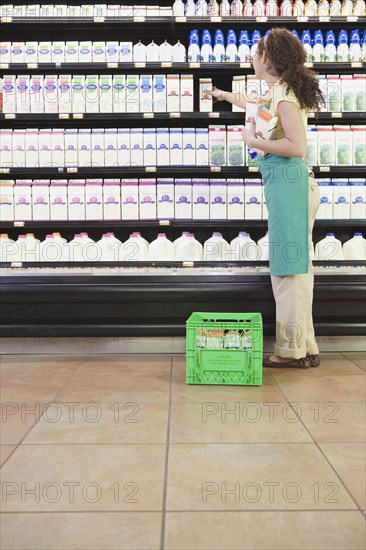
303,363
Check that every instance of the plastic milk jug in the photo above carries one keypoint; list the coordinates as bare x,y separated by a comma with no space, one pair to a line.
355,248
188,249
244,248
216,249
161,249
263,248
329,248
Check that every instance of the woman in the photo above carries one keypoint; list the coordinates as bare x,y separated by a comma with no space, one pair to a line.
291,192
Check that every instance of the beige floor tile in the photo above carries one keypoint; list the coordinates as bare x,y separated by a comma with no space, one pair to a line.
239,422
116,477
91,423
40,365
265,530
200,476
30,388
125,365
349,462
339,422
16,419
357,357
331,364
81,531
5,451
322,389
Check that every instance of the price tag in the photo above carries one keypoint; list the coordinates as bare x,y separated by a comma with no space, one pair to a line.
16,264
140,65
140,19
78,115
150,168
253,169
18,224
6,19
32,66
324,19
261,19
99,19
356,65
194,65
302,18
4,170
112,65
71,170
336,115
166,65
311,115
164,222
352,18
215,168
309,64
216,19
188,264
4,66
324,168
148,115
63,115
174,115
10,115
214,115
181,20
245,65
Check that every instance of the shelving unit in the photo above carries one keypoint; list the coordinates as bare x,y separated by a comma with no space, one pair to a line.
156,299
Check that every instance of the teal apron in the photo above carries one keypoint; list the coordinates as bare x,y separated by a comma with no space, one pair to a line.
286,190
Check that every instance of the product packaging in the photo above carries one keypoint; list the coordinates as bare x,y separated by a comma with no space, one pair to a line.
76,199
137,146
176,147
165,198
130,199
31,148
71,51
9,94
112,200
98,52
23,200
8,143
58,147
84,147
18,149
146,93
360,92
325,211
17,52
119,93
202,147
123,147
205,98
186,93
31,52
253,199
58,200
93,200
159,94
201,199
112,52
132,94
85,51
36,94
173,93
58,52
45,147
189,146
51,94
235,199
162,147
92,94
7,200
235,146
65,97
147,199
5,53
71,147
217,137
41,200
348,93
149,148
358,198
105,94
111,147
78,94
45,52
218,200
326,146
183,199
342,199
97,147
344,148
359,145
23,94
125,52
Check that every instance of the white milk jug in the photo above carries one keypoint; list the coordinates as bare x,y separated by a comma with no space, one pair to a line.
244,248
329,248
188,249
161,250
134,249
216,249
355,248
7,248
263,248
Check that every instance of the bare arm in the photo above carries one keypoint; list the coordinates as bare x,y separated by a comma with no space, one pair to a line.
235,98
294,142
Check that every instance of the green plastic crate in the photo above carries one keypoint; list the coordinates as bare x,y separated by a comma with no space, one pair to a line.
224,366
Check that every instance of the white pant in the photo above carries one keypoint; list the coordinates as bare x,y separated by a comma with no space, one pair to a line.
295,337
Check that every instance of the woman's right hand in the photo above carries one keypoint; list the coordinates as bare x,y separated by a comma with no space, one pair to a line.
218,94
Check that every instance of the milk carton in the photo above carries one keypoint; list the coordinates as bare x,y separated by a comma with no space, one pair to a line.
348,93
23,200
130,200
44,52
205,97
31,52
92,94
41,200
125,52
186,93
84,147
58,200
235,146
147,199
5,52
325,211
7,200
359,145
358,198
6,150
31,148
239,89
201,199
98,52
18,150
112,200
162,147
58,52
344,149
85,51
183,199
105,94
93,200
253,199
218,200
71,147
149,147
146,93
176,146
202,147
76,199
9,94
111,52
51,94
189,146
45,147
119,93
173,93
312,146
23,94
360,92
326,146
165,198
235,200
58,147
323,85
65,97
342,199
132,94
97,147
217,137
111,147
78,94
124,148
159,94
36,94
17,52
253,87
334,94
71,52
137,147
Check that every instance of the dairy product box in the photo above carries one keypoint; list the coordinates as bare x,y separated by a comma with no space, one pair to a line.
106,93
342,199
65,94
205,86
325,211
6,149
176,146
217,149
5,52
238,88
97,147
84,147
124,147
41,200
159,94
17,52
132,94
173,93
358,198
71,51
125,52
202,147
359,145
348,93
31,148
360,92
147,199
76,199
51,94
58,52
71,147
45,147
137,146
344,148
78,94
235,146
253,86
23,94
18,150
36,94
165,198
326,146
218,200
111,147
130,199
9,93
149,147
92,94
7,200
112,52
312,146
264,206
119,93
44,52
162,147
186,93
93,200
235,200
146,93
31,52
189,146
85,51
201,199
58,147
23,200
73,11
98,52
253,199
334,93
58,200
112,200
183,199
323,85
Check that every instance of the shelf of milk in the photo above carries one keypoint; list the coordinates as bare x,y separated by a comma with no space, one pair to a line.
86,12
331,248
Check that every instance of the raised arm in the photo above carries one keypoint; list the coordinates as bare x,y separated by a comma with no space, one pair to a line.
232,97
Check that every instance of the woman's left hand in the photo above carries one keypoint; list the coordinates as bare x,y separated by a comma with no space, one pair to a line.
249,132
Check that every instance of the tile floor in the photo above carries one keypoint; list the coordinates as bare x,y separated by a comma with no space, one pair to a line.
119,453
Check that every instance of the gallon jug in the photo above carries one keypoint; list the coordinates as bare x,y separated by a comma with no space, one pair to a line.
329,248
180,239
355,46
306,42
272,8
178,8
216,249
330,50
346,8
255,38
259,8
188,249
7,248
286,8
213,9
247,9
139,53
355,248
359,8
194,52
166,52
201,8
141,239
109,248
335,8
318,48
152,52
311,8
225,8
263,248
219,52
31,249
236,8
179,53
51,250
74,249
299,8
62,242
19,251
342,48
161,250
323,8
231,48
244,48
133,250
244,248
190,9
206,48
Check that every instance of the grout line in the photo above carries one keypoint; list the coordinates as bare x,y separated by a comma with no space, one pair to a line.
349,359
165,486
183,511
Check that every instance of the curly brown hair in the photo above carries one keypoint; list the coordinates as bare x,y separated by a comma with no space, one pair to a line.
286,58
